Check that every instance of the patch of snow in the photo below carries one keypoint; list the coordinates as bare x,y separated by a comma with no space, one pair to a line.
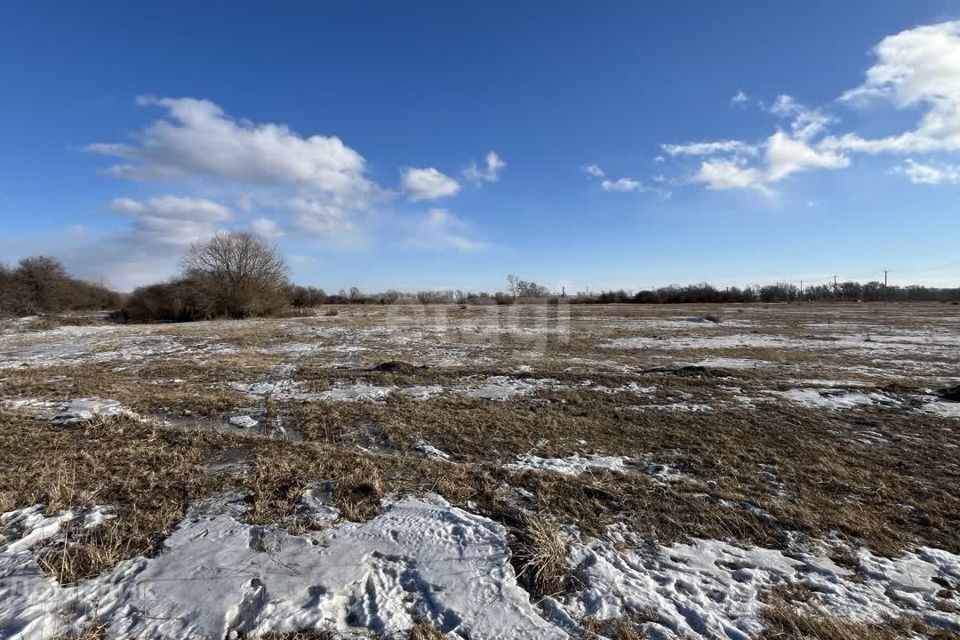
836,399
354,393
72,412
683,407
710,588
505,387
733,363
243,421
216,576
733,341
340,392
942,408
432,452
573,465
421,392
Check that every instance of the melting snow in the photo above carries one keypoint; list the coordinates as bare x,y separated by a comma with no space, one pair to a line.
505,387
72,412
243,422
710,588
418,559
837,398
572,465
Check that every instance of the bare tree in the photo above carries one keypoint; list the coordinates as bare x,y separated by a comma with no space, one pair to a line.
44,280
512,282
239,274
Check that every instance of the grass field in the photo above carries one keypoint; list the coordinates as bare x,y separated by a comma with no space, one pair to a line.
557,471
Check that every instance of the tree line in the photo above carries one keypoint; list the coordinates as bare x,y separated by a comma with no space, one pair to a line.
238,275
41,285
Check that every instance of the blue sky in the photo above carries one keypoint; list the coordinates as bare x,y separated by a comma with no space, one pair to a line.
435,145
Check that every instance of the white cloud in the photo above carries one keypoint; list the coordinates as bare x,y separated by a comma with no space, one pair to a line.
441,230
930,174
172,220
320,219
198,140
594,171
489,172
709,148
807,122
266,227
740,98
622,184
785,156
428,184
916,68
722,175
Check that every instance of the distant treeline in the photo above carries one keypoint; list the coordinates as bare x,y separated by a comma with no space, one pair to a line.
40,285
238,275
699,293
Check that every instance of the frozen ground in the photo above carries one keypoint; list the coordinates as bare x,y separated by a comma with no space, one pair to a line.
486,472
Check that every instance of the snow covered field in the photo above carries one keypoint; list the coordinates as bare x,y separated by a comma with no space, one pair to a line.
559,472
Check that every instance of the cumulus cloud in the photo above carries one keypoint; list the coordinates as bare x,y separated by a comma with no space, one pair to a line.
930,173
441,230
723,175
783,156
786,155
621,184
197,139
916,68
709,148
489,172
428,184
739,98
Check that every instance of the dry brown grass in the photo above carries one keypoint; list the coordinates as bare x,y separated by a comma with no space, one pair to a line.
540,555
889,496
627,627
785,620
425,631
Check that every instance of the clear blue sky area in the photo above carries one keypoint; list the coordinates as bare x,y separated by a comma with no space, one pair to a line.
434,145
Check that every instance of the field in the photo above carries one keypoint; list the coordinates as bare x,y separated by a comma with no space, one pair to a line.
776,471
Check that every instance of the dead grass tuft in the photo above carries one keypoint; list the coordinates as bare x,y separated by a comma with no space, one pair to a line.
358,494
425,631
540,555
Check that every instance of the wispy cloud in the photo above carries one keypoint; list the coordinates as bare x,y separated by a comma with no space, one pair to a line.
493,164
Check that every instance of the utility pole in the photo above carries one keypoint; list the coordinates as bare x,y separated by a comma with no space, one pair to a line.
886,298
834,287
